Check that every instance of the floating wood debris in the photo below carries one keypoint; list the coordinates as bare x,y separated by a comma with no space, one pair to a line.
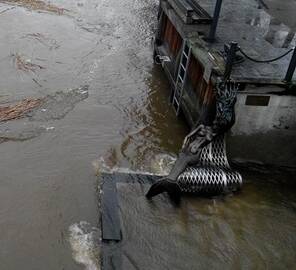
19,110
37,5
25,64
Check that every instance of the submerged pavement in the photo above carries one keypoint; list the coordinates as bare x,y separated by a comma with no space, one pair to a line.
105,102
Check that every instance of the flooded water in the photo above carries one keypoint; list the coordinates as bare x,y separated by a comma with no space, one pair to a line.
91,63
254,229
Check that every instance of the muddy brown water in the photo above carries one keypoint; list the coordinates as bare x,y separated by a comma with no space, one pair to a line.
106,100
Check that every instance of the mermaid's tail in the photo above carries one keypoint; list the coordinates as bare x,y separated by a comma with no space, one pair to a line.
164,185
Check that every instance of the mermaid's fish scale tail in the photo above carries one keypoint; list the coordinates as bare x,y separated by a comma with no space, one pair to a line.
164,185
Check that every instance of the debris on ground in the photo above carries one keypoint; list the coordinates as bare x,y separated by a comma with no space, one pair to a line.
19,110
36,5
25,64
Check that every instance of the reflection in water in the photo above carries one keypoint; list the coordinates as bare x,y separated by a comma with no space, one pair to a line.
154,129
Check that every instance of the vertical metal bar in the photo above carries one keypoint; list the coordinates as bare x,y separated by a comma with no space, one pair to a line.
291,68
230,60
214,24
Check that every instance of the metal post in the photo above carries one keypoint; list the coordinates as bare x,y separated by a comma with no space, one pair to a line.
291,68
214,24
230,59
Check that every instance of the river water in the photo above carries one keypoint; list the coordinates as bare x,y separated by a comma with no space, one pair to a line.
106,100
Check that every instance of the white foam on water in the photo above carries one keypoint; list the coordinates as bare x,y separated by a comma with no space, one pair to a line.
160,165
100,166
85,243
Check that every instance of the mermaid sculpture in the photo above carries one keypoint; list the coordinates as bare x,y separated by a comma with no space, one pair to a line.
201,135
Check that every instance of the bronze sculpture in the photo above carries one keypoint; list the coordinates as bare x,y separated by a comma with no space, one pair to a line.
201,135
